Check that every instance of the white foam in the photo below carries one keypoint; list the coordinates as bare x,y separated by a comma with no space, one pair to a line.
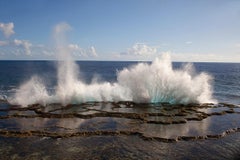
159,82
30,92
148,83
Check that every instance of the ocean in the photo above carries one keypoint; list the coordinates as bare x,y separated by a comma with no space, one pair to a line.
225,76
119,110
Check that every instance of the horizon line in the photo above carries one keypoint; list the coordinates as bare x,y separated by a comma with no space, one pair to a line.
89,60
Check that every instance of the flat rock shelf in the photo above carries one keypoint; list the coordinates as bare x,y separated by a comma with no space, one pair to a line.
123,130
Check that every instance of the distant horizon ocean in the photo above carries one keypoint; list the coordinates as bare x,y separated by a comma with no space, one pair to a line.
225,76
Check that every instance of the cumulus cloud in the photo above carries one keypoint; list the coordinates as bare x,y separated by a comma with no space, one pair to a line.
25,44
78,51
140,49
16,47
7,29
25,48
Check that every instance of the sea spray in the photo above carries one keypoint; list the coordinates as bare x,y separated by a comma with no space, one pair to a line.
30,92
141,83
148,83
67,70
159,82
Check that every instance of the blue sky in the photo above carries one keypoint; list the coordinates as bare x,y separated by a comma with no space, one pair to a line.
190,30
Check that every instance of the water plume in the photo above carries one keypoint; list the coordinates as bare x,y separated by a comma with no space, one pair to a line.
141,83
159,82
30,92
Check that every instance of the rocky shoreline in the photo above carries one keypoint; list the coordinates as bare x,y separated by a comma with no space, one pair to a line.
159,122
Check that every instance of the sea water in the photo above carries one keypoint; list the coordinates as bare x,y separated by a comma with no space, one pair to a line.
28,82
225,84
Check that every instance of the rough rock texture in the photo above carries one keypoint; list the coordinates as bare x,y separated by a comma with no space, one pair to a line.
162,122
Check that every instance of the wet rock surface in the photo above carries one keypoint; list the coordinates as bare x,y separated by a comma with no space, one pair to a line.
163,122
149,123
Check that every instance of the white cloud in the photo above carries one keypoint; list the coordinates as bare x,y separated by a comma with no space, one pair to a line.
26,48
204,57
73,47
7,29
140,49
78,51
16,47
25,44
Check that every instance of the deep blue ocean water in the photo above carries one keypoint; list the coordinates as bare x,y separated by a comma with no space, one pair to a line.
226,76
